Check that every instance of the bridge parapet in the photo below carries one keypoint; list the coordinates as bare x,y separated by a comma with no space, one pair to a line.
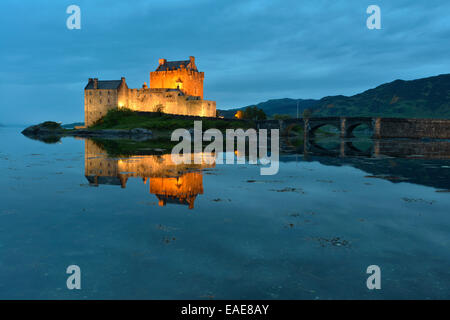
412,128
381,127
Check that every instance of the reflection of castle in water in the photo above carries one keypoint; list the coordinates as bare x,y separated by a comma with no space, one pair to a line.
170,182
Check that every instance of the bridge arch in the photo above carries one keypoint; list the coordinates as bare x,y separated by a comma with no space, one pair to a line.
349,129
352,149
342,148
292,127
314,127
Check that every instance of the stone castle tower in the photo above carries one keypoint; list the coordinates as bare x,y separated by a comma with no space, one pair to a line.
181,75
176,87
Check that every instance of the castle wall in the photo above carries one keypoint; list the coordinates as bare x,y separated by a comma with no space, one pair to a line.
97,103
96,163
149,100
203,108
170,102
192,81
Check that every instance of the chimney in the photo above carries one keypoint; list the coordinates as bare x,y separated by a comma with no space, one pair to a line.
95,83
162,62
192,63
122,79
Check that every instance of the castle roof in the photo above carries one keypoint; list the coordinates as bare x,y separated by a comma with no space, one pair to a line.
173,65
104,84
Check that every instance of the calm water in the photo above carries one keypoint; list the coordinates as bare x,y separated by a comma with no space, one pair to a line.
142,227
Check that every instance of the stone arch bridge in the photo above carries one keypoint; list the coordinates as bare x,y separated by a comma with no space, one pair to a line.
380,127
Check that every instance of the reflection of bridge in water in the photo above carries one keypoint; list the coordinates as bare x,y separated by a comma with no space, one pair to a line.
397,160
170,182
399,148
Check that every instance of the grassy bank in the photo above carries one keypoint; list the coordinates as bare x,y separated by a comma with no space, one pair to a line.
126,147
128,119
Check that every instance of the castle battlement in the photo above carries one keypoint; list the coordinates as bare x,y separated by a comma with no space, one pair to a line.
176,87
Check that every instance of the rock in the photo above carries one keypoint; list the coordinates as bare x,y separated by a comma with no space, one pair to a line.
48,127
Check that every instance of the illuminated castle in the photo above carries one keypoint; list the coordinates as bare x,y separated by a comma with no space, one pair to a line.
176,87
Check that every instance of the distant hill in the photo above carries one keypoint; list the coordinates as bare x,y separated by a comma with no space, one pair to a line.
421,98
277,106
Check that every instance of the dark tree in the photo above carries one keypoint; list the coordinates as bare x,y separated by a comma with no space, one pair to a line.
254,113
307,113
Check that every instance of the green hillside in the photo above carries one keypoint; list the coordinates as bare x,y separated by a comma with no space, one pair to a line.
421,98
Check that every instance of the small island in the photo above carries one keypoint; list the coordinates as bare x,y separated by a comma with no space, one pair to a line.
114,111
127,132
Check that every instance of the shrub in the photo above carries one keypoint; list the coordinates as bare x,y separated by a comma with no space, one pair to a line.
51,125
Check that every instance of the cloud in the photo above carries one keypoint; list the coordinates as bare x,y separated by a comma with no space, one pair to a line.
250,51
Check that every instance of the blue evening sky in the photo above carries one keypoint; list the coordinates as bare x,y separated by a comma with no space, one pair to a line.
250,50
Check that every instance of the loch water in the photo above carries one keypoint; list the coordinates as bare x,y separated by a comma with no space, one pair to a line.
142,227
